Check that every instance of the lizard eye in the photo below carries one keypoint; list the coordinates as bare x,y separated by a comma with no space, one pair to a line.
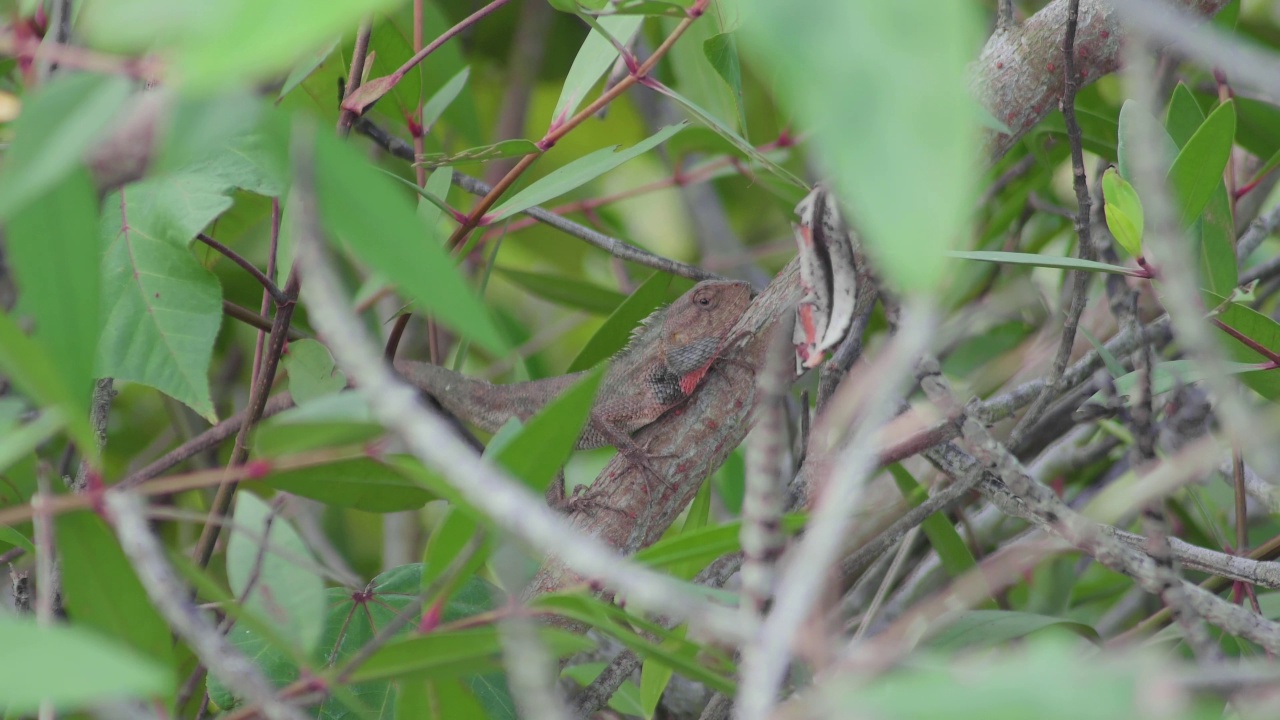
703,300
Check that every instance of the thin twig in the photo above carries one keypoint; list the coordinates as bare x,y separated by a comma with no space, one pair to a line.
249,267
1084,241
257,403
359,53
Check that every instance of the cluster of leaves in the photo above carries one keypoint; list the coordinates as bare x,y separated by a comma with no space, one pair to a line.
114,287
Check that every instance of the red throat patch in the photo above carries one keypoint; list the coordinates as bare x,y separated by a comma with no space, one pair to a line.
689,382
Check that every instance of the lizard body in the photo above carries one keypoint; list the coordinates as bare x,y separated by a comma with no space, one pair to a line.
666,360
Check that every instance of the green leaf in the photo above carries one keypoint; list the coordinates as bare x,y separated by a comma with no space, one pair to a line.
533,453
360,483
565,291
1258,129
703,545
1197,170
577,173
163,308
595,56
1215,229
355,619
457,653
312,373
16,539
18,443
841,68
1256,326
627,698
31,370
656,675
616,331
502,149
1124,212
1184,115
722,52
1171,375
53,245
101,591
71,668
987,628
692,660
951,548
304,67
1133,123
1063,263
360,205
268,38
58,124
737,141
286,594
545,443
440,101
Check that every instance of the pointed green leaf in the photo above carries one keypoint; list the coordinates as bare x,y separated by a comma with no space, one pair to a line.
1064,263
360,483
1197,170
440,101
1255,326
595,56
362,207
722,52
456,653
16,539
577,173
951,548
1184,115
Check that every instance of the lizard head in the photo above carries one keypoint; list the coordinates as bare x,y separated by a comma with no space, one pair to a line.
705,314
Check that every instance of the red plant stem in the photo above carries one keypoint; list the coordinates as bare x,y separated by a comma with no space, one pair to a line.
1249,342
463,24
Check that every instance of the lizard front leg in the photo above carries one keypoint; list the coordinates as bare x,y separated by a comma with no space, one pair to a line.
615,435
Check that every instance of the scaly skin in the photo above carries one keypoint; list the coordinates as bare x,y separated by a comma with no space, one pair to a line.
662,366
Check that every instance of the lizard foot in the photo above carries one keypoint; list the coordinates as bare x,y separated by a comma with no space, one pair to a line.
585,498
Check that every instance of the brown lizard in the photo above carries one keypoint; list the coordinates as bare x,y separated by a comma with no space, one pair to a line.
667,358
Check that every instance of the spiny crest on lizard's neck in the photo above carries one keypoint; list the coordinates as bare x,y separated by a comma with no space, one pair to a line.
642,333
